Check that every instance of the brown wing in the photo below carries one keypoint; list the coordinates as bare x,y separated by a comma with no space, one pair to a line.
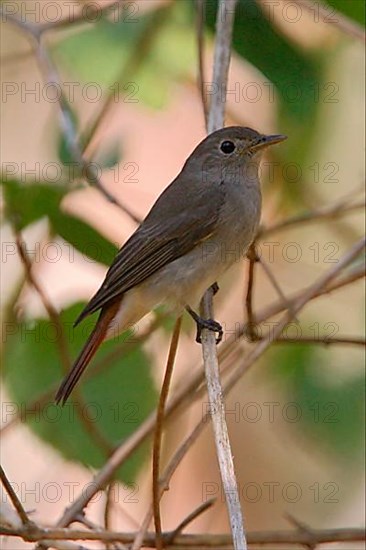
168,232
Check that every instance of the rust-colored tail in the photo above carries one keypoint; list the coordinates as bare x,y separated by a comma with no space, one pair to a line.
86,354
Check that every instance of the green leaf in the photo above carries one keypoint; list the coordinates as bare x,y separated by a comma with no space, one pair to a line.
83,237
330,415
294,74
117,396
110,45
27,203
64,150
109,157
107,44
355,9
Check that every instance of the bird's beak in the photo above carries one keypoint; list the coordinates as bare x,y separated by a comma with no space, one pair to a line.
265,141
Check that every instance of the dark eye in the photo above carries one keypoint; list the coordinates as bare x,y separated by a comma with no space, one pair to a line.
227,147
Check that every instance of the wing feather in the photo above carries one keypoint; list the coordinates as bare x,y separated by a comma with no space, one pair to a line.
164,236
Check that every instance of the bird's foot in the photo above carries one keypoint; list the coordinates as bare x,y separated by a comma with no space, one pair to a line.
208,324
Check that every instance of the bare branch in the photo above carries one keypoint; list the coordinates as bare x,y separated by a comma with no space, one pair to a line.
251,324
65,115
201,10
325,340
298,305
52,312
15,500
192,516
81,17
334,211
224,27
137,57
189,389
194,542
159,430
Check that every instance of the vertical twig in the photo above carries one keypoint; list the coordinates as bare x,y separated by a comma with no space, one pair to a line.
159,430
107,510
224,26
251,324
15,500
201,12
275,285
51,310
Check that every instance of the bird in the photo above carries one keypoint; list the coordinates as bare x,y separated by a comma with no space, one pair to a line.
199,226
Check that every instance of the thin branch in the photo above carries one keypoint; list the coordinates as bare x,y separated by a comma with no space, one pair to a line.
108,509
180,397
80,17
325,340
251,324
47,304
137,57
194,542
355,274
166,476
224,28
276,286
69,131
192,516
298,305
61,341
65,113
37,29
333,211
334,17
159,430
200,18
15,500
258,351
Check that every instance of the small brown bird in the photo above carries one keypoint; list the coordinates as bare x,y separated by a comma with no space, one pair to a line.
198,227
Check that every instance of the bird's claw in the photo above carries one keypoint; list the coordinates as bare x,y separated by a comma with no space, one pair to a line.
211,325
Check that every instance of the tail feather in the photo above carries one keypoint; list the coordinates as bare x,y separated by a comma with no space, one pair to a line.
86,354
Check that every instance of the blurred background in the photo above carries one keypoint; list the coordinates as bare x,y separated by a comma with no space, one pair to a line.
127,79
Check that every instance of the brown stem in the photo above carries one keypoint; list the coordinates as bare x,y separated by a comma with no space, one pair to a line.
15,500
194,542
159,430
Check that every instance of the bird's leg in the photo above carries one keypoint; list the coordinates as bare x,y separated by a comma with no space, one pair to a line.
201,323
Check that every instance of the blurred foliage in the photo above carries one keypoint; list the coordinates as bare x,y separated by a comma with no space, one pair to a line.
355,9
26,204
330,413
112,45
141,59
116,398
294,73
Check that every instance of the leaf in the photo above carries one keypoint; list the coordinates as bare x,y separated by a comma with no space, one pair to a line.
83,237
117,397
107,44
111,45
354,9
330,415
64,150
27,203
109,157
294,74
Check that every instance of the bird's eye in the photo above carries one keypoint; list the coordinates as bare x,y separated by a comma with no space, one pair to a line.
227,147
